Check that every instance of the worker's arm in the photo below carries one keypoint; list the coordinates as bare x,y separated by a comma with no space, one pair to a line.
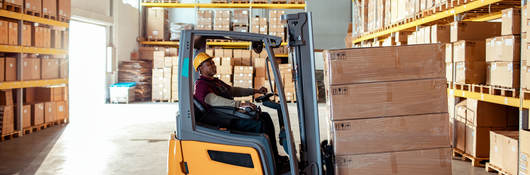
215,100
241,92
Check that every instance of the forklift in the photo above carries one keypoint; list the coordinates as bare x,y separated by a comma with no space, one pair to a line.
198,148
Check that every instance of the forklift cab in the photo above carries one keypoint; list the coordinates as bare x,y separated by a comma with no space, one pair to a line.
208,148
203,148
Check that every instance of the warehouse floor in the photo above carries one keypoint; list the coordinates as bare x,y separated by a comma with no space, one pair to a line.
115,139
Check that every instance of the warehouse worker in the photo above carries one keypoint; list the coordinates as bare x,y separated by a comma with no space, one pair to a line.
210,91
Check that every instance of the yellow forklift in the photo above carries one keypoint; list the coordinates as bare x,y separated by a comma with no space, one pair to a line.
198,148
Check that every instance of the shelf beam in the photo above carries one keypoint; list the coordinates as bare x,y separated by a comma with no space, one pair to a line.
224,5
32,50
175,43
32,83
29,18
508,101
487,17
440,15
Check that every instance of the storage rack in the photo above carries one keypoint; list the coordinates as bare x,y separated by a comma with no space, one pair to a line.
250,5
19,50
465,10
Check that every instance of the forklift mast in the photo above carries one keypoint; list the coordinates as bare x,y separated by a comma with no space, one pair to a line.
300,42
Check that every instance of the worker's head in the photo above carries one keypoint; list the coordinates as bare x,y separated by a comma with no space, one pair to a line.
204,64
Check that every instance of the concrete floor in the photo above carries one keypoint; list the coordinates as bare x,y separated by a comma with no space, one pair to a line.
115,139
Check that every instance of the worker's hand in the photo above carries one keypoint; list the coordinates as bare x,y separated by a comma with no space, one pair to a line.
248,105
261,90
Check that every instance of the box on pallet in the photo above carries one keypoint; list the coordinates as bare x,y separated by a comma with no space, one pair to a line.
50,112
430,161
470,72
504,74
524,156
37,114
504,150
157,24
7,119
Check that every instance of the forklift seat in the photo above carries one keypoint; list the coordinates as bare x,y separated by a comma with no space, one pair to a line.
223,113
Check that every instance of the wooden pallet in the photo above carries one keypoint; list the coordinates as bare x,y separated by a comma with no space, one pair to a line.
160,101
487,89
279,2
33,13
10,136
240,1
220,1
296,2
63,19
492,168
12,7
48,16
476,162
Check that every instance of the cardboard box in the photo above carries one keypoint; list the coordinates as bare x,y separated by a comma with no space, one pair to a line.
157,24
484,114
61,110
383,99
36,72
431,161
524,161
440,33
11,69
477,141
49,7
13,33
50,112
511,50
2,69
63,8
50,68
504,150
4,32
391,134
158,62
150,53
26,116
27,67
6,97
505,74
26,35
361,65
469,51
449,53
225,70
471,30
7,119
37,113
511,21
494,48
470,72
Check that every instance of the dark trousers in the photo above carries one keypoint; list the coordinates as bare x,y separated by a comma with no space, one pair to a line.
262,125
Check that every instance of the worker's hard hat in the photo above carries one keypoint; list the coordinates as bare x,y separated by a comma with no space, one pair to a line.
199,59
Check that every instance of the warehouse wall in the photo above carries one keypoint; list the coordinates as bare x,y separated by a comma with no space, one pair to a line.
330,22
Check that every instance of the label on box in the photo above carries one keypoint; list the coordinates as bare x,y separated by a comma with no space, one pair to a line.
496,149
28,5
493,66
25,63
155,33
25,111
510,67
49,109
44,10
60,12
498,43
41,107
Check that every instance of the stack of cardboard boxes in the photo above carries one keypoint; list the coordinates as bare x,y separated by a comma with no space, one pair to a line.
475,119
275,24
222,20
468,50
396,109
503,52
45,105
243,77
157,24
174,78
7,115
162,71
240,21
259,25
286,71
204,20
224,69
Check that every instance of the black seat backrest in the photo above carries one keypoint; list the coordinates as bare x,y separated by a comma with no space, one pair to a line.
198,105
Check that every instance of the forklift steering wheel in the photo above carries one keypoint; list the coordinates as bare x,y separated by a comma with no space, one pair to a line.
264,98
